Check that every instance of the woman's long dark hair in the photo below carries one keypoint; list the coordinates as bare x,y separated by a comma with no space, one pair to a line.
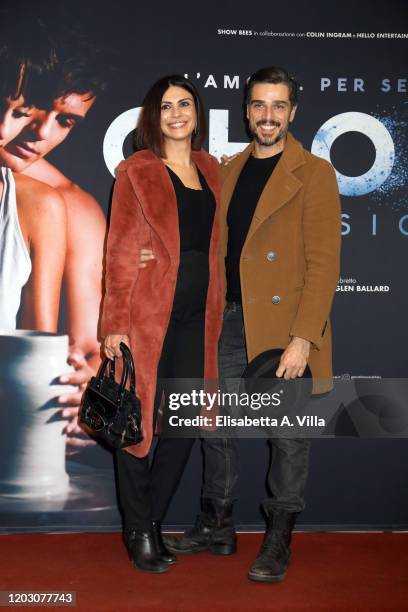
148,133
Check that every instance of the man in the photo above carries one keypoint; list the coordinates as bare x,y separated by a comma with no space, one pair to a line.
32,213
68,91
24,64
280,238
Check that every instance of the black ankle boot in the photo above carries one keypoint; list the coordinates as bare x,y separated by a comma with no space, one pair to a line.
213,531
273,558
164,554
143,552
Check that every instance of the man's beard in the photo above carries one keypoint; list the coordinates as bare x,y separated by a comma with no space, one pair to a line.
269,141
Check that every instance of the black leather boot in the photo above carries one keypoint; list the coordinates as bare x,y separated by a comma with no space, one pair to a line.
164,554
273,558
213,531
143,552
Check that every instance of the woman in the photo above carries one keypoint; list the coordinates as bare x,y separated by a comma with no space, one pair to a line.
31,216
165,199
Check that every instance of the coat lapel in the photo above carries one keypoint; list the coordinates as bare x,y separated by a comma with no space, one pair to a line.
282,185
157,198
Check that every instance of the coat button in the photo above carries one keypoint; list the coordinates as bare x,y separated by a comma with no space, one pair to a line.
276,299
271,256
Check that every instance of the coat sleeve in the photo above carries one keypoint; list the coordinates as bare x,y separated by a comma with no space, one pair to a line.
322,235
122,258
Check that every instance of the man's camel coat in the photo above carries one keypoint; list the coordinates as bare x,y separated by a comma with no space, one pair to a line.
138,302
289,265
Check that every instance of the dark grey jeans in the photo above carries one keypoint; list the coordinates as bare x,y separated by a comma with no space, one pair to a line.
290,457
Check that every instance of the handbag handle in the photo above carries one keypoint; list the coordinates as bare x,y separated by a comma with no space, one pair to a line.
128,360
128,371
112,370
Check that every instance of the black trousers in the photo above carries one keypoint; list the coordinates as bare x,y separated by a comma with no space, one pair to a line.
288,470
145,492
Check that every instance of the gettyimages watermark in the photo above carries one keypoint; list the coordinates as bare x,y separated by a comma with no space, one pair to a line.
357,406
228,405
208,400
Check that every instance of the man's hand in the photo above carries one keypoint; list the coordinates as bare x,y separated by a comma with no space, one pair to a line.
294,359
76,438
111,345
145,256
226,159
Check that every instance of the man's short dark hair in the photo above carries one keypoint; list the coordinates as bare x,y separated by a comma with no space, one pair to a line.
43,63
26,59
275,75
148,133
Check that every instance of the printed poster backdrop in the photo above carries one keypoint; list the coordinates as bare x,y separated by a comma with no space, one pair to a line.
350,64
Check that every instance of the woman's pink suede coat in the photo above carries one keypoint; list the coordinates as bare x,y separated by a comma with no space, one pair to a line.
138,301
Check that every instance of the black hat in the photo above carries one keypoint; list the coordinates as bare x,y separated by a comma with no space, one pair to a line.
260,377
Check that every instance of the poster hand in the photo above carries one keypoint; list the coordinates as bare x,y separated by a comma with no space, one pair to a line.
71,401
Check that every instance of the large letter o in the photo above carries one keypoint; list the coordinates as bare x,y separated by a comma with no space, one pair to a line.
115,137
376,132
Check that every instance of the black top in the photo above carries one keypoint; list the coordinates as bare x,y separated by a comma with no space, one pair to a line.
250,184
196,208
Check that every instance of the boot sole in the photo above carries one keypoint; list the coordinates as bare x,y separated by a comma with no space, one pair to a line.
260,578
223,549
158,570
172,562
177,551
150,571
215,549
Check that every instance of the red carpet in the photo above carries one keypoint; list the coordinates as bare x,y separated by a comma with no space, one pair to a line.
329,572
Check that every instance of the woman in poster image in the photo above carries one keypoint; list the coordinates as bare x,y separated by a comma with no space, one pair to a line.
31,216
166,199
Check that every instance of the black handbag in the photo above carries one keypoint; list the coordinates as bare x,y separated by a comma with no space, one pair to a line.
108,410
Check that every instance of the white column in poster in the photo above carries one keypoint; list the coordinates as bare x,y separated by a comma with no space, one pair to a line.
32,444
115,136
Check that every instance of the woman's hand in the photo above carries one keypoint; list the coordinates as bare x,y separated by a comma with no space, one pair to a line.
111,345
145,256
